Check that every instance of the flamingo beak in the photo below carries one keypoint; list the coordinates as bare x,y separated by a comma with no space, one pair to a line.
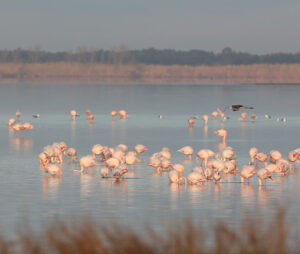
60,172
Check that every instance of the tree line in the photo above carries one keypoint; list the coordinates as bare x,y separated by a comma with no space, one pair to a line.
121,55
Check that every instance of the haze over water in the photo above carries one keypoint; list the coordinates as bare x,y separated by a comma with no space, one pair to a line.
27,192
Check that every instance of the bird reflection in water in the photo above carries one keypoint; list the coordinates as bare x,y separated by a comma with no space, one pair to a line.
248,193
205,129
73,129
51,185
263,193
217,188
196,193
175,189
21,144
85,184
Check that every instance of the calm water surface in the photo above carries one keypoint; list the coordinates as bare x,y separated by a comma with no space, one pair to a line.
26,192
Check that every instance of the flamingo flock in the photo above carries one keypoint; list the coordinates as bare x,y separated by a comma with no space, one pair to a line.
213,166
17,126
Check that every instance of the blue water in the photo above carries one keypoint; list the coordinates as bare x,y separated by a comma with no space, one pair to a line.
26,192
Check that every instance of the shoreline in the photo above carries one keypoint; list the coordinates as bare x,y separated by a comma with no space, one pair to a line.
154,74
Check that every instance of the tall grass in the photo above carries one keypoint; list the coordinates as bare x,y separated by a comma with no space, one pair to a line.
85,236
69,72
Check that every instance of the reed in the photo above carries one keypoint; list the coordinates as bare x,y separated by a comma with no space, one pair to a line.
85,237
91,72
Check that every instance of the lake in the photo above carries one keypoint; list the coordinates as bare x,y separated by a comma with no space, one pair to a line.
28,193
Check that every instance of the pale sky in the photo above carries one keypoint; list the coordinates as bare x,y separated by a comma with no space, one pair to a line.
255,26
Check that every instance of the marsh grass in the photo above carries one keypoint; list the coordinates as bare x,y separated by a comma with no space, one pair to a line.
86,237
92,72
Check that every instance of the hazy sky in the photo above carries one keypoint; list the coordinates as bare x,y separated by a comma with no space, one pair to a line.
256,26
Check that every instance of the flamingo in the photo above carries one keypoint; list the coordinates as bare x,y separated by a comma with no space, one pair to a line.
155,163
230,167
243,116
195,178
217,176
18,115
252,153
179,168
88,112
262,157
166,154
27,126
90,118
247,172
209,173
123,114
165,164
113,113
214,114
119,154
120,171
97,150
228,153
253,117
104,172
187,151
283,166
216,164
274,156
293,156
222,133
174,177
204,155
140,149
11,122
221,114
112,163
122,147
53,169
43,159
131,159
263,175
205,119
86,162
71,152
191,122
273,168
73,114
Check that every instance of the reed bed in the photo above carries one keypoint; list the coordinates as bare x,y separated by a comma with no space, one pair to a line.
84,236
91,72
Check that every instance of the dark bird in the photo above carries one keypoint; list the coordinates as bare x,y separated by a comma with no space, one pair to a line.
36,116
238,107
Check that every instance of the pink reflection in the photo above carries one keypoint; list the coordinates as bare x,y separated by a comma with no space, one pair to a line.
51,185
21,144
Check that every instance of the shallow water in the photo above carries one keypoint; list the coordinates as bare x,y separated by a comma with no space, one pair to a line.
26,192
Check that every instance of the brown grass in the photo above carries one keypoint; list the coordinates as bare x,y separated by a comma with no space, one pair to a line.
253,237
75,72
